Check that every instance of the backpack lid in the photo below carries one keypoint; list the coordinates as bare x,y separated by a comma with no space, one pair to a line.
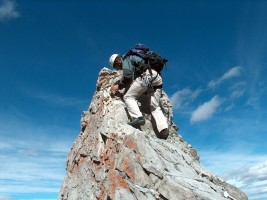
141,46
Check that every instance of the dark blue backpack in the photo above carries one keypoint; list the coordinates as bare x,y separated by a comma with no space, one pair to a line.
152,59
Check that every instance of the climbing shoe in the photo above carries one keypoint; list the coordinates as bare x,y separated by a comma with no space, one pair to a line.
164,134
137,121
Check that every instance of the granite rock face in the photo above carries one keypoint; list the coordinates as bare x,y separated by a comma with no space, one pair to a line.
111,160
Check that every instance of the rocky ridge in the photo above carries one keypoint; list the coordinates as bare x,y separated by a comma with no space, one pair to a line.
111,160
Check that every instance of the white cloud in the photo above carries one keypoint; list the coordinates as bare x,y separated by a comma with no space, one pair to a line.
184,97
8,10
4,146
256,94
59,100
233,72
244,170
237,90
229,107
52,98
253,101
206,110
5,198
31,168
34,156
255,174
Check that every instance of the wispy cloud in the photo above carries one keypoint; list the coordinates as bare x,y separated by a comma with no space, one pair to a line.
8,10
184,97
30,169
237,90
233,72
229,107
244,170
34,159
58,100
5,146
5,198
52,98
39,173
249,175
206,110
256,93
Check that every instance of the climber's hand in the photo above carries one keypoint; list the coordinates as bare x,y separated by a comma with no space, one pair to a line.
114,88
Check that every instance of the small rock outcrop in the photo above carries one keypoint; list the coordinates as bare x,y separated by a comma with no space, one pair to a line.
111,160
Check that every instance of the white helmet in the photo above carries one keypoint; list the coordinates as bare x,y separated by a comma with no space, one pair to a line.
112,59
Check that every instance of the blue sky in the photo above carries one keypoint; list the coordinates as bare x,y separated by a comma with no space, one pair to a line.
50,56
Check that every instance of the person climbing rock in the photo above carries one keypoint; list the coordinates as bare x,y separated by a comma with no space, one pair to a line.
145,79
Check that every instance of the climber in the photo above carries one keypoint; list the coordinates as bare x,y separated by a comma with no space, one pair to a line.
147,80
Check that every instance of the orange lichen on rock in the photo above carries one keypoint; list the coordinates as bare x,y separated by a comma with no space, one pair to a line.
116,181
130,144
128,170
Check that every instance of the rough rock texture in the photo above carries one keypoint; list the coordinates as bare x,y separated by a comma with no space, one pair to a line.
112,160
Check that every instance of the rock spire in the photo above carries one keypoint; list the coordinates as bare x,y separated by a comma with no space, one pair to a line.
111,160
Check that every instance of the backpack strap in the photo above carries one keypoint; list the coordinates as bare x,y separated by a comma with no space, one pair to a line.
149,68
150,72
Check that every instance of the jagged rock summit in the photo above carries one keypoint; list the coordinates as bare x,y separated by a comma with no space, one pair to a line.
111,160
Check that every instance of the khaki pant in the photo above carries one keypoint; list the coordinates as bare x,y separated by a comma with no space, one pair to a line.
137,89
